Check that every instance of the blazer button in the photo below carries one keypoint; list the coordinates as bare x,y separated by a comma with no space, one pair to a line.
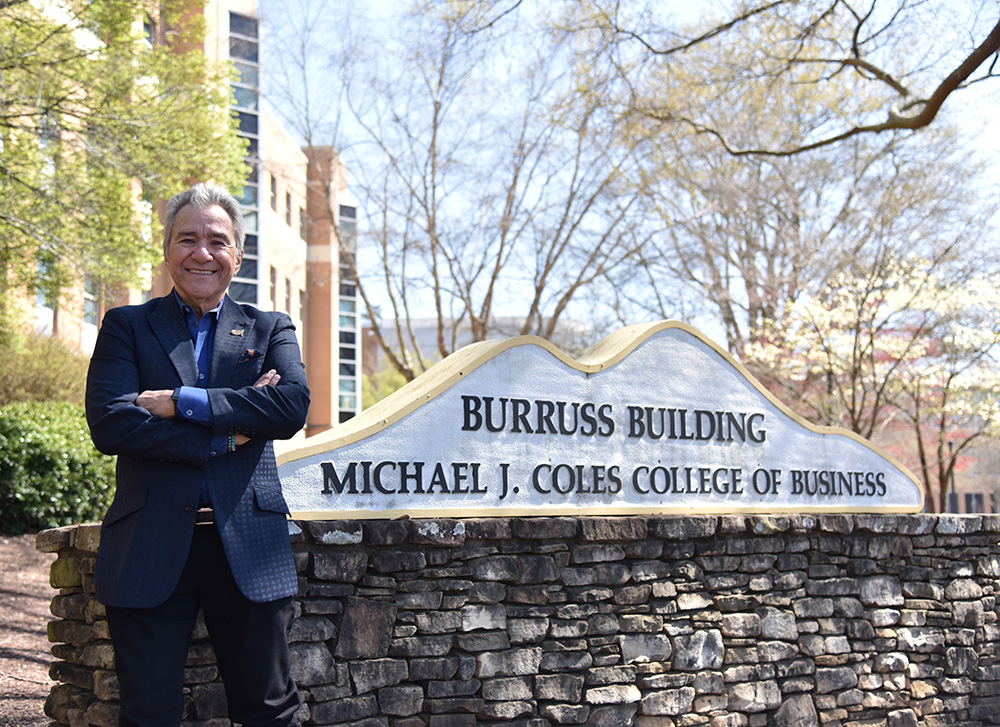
189,507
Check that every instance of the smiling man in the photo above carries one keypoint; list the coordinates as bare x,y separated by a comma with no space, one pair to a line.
189,391
202,256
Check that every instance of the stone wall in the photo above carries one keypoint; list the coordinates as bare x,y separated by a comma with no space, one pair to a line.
849,620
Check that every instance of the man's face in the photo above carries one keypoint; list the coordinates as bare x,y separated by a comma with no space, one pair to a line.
202,257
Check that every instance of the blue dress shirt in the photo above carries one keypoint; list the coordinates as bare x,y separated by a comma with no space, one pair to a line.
192,402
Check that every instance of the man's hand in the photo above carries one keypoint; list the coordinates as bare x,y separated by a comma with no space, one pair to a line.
271,378
159,403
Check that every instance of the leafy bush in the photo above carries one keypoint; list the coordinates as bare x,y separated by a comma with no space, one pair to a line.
50,472
377,386
36,367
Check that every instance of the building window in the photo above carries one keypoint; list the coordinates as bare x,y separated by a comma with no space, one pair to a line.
43,296
974,503
248,122
242,25
274,289
274,193
249,75
244,52
248,268
243,292
252,146
91,299
249,198
347,265
243,49
347,228
288,296
288,208
302,223
246,97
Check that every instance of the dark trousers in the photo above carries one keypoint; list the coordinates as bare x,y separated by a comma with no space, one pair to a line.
249,639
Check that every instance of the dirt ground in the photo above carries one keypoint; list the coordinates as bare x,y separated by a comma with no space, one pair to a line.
24,646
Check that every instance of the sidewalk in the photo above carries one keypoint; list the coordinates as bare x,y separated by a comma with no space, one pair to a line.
24,646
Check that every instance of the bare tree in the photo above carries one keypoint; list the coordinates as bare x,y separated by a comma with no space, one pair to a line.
744,236
490,183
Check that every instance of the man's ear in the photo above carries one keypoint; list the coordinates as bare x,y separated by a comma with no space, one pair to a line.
239,260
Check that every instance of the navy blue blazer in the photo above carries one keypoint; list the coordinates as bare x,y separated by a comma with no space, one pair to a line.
147,531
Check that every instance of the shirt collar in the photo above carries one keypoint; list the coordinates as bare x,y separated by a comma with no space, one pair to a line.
189,311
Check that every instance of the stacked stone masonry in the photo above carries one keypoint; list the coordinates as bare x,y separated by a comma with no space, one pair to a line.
660,621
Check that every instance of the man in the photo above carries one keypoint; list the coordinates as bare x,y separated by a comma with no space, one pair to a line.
189,390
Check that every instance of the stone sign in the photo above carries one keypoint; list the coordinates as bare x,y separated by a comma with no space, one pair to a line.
655,419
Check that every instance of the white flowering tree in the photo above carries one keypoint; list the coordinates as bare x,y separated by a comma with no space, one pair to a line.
906,355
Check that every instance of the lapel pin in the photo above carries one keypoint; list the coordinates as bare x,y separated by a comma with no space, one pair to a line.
236,332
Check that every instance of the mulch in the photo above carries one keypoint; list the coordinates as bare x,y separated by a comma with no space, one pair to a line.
25,654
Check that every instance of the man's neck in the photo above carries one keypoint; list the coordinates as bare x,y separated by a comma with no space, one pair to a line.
200,308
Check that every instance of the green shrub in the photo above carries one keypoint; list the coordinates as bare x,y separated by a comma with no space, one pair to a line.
36,367
50,472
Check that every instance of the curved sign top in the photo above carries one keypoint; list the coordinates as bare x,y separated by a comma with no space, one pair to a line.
654,419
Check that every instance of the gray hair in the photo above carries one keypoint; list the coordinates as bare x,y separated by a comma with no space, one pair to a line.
204,196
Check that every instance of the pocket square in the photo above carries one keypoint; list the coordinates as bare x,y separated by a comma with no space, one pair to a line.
248,354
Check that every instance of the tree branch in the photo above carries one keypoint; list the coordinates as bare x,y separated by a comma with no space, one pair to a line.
716,31
897,120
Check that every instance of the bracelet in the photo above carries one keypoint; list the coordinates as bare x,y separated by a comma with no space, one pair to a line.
231,443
